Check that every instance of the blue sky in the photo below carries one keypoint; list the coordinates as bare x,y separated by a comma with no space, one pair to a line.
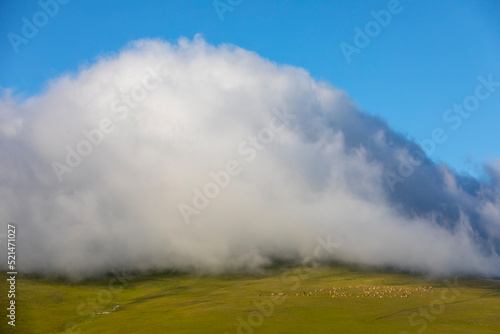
427,58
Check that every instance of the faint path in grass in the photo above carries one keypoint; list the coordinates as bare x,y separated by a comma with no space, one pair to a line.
145,299
417,308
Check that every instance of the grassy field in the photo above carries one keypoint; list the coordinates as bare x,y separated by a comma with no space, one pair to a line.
319,300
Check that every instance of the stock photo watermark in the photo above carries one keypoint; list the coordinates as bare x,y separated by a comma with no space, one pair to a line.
424,315
266,308
11,274
454,117
30,28
247,149
222,7
363,37
106,297
122,108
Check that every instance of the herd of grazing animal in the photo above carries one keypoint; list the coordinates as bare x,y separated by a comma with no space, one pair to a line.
363,291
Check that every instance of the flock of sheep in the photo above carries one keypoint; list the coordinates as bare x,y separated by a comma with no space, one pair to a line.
363,291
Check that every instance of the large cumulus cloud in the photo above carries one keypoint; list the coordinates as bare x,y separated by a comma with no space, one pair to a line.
203,158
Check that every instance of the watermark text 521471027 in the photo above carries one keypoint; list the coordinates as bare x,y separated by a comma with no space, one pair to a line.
11,265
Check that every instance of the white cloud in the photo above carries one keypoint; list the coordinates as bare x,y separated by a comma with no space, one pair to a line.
323,174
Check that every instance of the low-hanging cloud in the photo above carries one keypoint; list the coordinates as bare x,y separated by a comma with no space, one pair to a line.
210,159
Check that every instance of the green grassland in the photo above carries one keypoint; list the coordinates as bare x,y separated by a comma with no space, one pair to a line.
302,300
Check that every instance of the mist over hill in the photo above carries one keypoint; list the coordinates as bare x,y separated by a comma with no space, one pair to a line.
208,158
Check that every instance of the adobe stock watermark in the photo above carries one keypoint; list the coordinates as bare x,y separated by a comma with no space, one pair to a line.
121,107
363,37
266,308
222,7
30,28
103,298
424,315
453,116
247,149
11,273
